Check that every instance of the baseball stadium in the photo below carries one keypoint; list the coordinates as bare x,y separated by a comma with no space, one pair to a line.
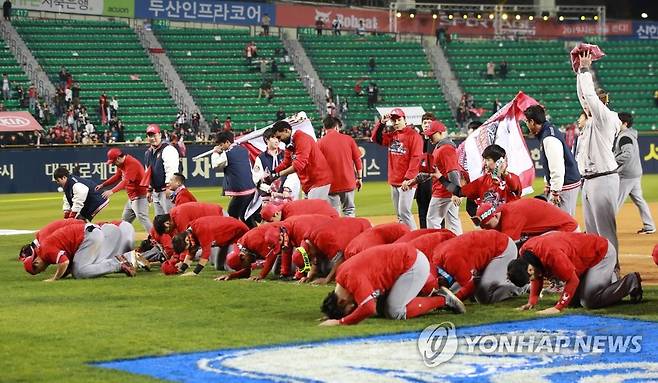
329,191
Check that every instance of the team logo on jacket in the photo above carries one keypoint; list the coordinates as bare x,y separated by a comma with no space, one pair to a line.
397,147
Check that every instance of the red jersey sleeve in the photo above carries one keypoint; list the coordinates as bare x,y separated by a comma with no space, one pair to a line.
514,184
535,288
385,137
568,292
287,161
267,266
356,156
114,179
513,226
448,160
416,153
302,154
205,239
472,190
244,273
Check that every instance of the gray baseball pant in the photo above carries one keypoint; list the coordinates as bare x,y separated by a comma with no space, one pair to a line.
598,286
137,208
633,187
493,285
161,204
402,201
343,202
321,192
569,200
91,260
407,287
127,236
440,209
600,196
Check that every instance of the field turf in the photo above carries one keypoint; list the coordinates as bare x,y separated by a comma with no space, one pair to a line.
52,331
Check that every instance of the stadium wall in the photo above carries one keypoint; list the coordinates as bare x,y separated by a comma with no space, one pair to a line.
30,170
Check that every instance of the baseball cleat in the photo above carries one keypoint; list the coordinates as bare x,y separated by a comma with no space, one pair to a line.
452,302
646,231
127,269
141,262
636,293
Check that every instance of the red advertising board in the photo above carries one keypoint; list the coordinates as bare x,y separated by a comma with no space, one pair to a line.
17,122
294,15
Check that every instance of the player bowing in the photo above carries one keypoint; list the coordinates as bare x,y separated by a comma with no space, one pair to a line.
394,273
585,262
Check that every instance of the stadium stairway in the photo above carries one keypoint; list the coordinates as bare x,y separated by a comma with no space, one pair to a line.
403,79
213,65
629,72
541,69
103,57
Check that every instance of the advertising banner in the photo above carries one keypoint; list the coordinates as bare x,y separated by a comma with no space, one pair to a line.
206,11
85,7
645,30
119,8
295,15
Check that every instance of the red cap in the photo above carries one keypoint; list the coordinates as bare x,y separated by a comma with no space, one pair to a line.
169,267
233,260
113,154
434,127
655,254
397,112
485,212
153,128
28,264
268,211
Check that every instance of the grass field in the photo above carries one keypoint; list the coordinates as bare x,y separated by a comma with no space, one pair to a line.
51,331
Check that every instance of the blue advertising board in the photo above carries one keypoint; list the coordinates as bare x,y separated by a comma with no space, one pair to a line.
31,170
206,11
645,30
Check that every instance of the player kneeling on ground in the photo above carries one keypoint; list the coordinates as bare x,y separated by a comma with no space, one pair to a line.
388,277
207,232
586,262
272,212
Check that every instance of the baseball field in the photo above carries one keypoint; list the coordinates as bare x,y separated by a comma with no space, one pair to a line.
57,332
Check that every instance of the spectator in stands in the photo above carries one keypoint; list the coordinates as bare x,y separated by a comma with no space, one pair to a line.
2,107
22,100
371,64
329,92
336,25
181,120
373,92
196,120
114,106
344,109
331,108
280,114
496,106
68,97
33,95
228,125
319,25
491,70
265,23
6,10
59,101
360,30
63,74
102,108
655,97
265,88
75,94
46,114
502,70
440,36
215,125
274,68
358,89
6,90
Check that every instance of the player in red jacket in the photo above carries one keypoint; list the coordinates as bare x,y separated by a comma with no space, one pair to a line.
397,272
130,173
256,244
525,217
42,234
179,193
344,159
444,160
279,212
585,262
428,242
410,236
166,226
206,233
482,270
324,245
496,185
84,250
405,151
302,156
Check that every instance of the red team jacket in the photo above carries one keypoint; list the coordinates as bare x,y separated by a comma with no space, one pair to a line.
307,160
531,216
307,206
300,225
378,235
335,235
445,159
50,228
216,231
405,151
131,173
410,236
509,191
261,240
183,196
565,256
343,157
467,254
372,273
428,242
62,244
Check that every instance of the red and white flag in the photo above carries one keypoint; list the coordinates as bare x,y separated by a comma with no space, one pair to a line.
503,129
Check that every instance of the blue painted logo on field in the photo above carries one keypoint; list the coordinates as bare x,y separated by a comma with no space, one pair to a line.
619,350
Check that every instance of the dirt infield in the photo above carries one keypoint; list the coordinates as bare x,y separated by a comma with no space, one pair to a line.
635,249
